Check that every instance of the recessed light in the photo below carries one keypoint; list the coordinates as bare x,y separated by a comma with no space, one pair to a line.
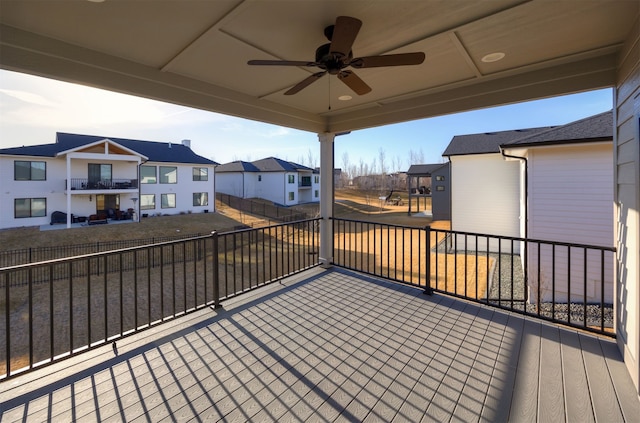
96,1
345,98
493,57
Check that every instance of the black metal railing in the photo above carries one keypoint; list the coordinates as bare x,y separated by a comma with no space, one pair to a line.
78,184
59,308
562,282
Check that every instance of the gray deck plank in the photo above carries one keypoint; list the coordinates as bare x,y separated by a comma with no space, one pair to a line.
625,391
576,388
340,347
603,397
551,397
524,403
499,396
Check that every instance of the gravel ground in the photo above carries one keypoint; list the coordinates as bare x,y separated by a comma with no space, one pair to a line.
503,280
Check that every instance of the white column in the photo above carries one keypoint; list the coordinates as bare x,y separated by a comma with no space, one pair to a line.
68,187
326,198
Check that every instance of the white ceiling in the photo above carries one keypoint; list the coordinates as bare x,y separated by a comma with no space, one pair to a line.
195,53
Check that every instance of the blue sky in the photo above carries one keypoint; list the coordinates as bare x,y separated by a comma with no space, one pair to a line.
33,109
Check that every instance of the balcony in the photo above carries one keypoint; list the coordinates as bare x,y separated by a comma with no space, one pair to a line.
304,182
84,184
319,344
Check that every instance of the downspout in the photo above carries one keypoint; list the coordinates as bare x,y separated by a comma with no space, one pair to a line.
526,219
526,189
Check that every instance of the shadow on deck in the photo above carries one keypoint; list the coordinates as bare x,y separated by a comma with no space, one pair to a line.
331,345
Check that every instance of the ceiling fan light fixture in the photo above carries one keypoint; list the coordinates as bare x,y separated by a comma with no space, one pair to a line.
493,57
345,98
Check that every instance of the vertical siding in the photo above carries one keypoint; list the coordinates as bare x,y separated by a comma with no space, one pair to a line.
627,202
485,195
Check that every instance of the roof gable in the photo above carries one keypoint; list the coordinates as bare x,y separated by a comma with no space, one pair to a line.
154,151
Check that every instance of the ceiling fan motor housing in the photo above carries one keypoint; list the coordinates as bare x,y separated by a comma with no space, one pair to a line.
331,62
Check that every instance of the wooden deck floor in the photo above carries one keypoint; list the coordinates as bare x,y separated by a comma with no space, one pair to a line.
336,346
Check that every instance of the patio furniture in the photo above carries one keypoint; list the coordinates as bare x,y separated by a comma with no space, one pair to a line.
60,217
98,219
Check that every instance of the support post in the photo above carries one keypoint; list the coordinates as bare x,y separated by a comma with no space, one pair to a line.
326,198
216,274
428,289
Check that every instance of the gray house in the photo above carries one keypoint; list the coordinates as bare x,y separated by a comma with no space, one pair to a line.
430,181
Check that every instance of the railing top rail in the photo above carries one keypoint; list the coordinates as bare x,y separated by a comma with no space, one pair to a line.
528,240
476,234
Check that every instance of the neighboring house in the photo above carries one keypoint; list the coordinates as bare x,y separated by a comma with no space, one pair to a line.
553,183
568,197
85,175
272,179
430,181
485,188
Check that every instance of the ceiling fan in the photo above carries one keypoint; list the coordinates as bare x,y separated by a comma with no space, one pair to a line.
336,56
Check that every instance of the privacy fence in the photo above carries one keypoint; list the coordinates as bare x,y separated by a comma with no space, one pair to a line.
260,208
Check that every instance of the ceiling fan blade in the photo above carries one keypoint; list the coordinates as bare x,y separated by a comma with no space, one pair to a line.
305,83
345,32
281,63
354,82
401,59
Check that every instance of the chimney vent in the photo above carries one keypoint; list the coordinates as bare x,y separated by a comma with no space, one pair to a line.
186,143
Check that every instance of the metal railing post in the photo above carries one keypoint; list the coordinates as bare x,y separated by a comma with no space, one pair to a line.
216,279
428,289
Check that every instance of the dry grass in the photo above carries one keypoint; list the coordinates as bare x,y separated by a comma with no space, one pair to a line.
388,255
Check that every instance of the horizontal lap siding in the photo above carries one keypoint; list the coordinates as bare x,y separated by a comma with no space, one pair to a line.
571,200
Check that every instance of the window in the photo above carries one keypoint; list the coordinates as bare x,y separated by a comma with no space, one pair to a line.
439,187
292,196
29,171
148,174
168,201
200,199
316,179
29,207
147,202
315,193
292,179
439,177
200,174
99,172
168,175
305,181
259,178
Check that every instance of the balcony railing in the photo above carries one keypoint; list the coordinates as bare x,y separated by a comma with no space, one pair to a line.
78,184
562,282
59,308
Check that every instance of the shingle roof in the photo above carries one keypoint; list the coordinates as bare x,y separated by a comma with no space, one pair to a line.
424,169
269,164
591,129
237,166
486,143
154,151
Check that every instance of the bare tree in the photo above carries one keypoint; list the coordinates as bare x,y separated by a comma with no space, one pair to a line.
311,160
382,160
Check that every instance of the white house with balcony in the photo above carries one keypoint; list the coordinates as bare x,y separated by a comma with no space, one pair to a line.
87,178
272,179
